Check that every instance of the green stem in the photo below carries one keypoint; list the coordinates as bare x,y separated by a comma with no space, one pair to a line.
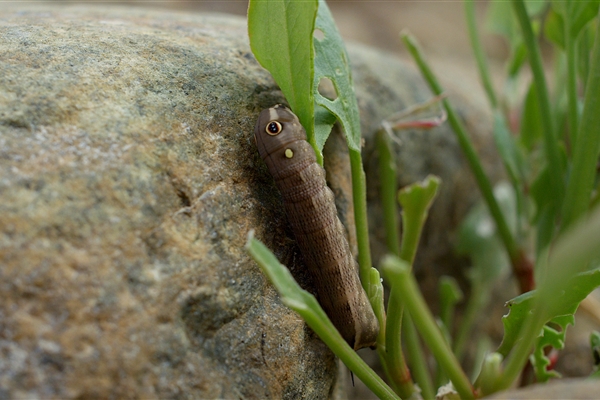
359,196
307,306
415,304
585,155
417,358
520,353
550,140
396,364
467,148
484,72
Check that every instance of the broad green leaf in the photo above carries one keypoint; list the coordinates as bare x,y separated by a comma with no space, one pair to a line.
281,38
331,61
575,290
324,121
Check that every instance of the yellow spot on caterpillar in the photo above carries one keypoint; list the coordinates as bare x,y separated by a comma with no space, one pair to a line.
289,153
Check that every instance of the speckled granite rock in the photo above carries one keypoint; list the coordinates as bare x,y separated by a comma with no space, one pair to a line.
128,183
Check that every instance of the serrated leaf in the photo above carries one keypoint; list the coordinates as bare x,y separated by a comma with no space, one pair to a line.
565,305
331,62
281,38
550,337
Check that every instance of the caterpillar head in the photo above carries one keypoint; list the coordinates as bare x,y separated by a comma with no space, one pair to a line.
281,141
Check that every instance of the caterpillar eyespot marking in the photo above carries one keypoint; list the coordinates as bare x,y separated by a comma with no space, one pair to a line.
310,207
273,128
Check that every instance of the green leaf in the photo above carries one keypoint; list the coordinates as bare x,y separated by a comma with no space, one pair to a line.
518,56
575,290
415,199
554,28
584,50
582,179
535,7
377,303
281,38
450,295
324,121
595,347
331,61
489,378
499,20
582,12
397,272
553,338
511,154
309,309
579,13
531,119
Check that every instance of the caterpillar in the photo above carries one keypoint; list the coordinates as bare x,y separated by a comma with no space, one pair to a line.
310,208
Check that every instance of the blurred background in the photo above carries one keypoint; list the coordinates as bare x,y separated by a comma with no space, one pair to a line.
438,24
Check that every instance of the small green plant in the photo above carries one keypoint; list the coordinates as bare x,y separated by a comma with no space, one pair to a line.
551,197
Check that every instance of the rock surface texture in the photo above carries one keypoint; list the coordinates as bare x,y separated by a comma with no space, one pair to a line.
129,181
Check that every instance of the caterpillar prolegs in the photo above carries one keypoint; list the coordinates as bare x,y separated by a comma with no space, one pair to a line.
310,208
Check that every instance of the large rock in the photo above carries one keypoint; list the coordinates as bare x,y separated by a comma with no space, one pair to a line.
129,181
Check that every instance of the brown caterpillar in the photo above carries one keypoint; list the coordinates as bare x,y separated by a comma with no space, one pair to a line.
310,207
